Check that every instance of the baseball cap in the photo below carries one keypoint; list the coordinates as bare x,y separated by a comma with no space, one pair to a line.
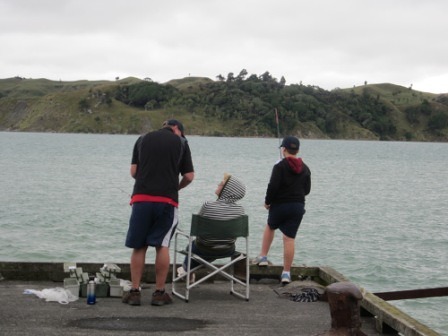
290,142
174,122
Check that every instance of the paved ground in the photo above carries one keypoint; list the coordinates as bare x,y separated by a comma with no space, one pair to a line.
211,311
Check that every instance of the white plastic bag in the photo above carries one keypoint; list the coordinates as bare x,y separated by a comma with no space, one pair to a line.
126,284
58,294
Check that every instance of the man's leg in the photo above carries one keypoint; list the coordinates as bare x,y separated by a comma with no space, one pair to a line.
162,266
268,237
160,297
288,253
137,265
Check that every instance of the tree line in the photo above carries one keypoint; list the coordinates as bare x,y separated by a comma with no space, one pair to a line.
253,98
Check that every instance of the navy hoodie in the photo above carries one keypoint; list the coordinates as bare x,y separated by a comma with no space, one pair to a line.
290,182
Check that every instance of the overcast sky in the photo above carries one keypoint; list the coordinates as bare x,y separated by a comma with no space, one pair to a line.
327,43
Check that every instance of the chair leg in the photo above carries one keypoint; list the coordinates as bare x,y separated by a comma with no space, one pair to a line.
227,271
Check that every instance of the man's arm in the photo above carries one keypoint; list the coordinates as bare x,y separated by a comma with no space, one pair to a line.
133,170
135,157
187,178
273,185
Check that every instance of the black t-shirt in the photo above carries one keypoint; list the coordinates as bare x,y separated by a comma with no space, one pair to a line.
160,157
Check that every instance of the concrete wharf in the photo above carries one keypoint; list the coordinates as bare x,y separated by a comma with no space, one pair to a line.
210,311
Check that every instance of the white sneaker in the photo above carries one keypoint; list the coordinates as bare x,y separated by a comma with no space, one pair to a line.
285,278
261,261
181,271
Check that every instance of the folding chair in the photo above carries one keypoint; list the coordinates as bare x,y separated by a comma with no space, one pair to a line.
205,227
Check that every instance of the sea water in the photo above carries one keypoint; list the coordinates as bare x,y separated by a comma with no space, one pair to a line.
377,211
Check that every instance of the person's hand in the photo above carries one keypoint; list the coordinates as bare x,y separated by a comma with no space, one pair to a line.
267,206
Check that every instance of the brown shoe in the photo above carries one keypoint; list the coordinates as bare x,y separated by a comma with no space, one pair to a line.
160,298
131,298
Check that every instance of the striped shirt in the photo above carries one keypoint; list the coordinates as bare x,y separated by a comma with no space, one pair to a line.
224,208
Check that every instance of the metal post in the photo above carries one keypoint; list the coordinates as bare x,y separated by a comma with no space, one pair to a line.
344,300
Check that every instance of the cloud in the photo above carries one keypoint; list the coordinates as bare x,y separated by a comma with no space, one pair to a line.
325,43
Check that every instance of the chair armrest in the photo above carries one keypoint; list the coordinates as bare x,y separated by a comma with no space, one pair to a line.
179,232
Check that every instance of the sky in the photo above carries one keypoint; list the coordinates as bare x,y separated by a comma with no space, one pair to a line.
326,43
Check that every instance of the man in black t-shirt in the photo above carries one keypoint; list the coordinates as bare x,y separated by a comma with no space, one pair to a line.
158,159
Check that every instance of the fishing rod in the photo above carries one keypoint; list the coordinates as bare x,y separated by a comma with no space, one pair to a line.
124,192
278,133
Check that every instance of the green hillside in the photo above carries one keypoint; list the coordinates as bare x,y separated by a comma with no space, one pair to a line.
233,106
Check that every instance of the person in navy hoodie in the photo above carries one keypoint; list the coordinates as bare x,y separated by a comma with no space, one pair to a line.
290,182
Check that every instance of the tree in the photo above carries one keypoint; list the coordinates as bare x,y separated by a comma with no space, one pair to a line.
140,93
84,105
332,123
242,75
266,77
412,114
282,81
438,121
425,107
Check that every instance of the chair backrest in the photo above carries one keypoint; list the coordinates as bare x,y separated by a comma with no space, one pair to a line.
230,228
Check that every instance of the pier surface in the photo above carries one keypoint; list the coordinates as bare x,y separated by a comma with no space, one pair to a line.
210,311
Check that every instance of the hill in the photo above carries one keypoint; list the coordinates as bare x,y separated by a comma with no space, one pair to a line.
233,106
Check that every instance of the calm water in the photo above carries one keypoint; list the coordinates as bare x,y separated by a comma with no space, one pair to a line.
377,211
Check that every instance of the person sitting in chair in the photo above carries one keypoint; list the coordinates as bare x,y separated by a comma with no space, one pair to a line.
229,191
